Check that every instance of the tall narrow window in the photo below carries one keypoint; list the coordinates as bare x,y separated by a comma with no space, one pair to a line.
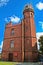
12,32
26,28
12,44
31,14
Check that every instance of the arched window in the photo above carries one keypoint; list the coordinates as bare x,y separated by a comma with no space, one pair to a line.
31,14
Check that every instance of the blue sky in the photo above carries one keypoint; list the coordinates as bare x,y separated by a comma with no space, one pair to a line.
13,10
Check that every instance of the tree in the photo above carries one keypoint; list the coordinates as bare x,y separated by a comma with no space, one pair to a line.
41,44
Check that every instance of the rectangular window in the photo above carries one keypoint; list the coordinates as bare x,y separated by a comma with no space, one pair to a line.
12,44
12,32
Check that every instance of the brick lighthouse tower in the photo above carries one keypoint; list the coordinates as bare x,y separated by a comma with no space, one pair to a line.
29,33
20,39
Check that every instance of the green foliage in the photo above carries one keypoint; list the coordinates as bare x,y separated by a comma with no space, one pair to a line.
7,63
41,43
19,63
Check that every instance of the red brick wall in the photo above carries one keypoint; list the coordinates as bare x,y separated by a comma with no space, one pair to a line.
24,40
30,36
17,42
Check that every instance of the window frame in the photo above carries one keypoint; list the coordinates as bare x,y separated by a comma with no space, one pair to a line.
12,31
12,44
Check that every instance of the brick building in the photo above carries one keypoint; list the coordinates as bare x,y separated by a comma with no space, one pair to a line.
20,39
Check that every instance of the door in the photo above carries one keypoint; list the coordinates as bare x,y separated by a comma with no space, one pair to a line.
10,58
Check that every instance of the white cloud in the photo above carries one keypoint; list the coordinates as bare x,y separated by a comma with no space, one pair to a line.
41,24
1,46
6,19
3,2
38,34
13,19
39,5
